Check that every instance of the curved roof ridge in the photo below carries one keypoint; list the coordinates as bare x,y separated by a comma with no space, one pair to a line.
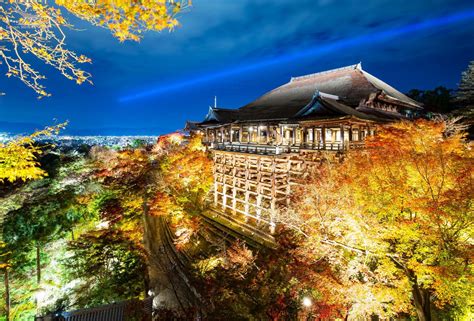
220,108
389,90
355,66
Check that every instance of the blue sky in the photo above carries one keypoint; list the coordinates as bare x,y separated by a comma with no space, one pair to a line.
240,49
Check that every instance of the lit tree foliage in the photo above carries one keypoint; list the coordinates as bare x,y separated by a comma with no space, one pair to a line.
243,284
18,157
127,19
169,180
183,182
109,266
186,173
99,204
126,177
36,29
18,161
396,221
33,28
39,216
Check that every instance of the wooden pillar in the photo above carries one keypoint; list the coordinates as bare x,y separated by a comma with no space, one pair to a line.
288,182
273,196
234,196
259,203
234,181
272,215
341,134
224,193
323,136
282,135
240,133
247,196
216,195
247,187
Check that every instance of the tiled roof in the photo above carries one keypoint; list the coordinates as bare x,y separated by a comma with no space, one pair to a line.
351,84
338,93
327,108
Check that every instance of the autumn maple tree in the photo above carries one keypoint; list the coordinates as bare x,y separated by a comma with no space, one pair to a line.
184,180
395,221
36,29
18,157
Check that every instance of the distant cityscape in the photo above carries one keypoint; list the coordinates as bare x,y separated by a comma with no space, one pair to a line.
72,140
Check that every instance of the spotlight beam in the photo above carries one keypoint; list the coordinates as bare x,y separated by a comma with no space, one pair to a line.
309,52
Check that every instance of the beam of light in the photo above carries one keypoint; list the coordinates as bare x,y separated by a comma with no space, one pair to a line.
309,52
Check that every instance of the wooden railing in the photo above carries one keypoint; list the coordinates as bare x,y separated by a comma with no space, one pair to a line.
276,150
251,148
321,146
121,311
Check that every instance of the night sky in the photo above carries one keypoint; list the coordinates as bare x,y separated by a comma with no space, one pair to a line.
238,50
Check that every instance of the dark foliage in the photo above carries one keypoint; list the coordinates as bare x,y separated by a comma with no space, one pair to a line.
438,100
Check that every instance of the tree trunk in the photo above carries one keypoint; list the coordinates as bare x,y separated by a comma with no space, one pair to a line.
7,295
145,226
38,275
421,299
38,264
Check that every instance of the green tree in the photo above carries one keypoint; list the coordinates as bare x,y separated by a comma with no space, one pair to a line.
18,161
465,92
40,213
109,265
465,98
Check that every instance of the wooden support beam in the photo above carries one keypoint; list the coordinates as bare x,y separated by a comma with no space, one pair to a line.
341,134
282,135
215,191
323,136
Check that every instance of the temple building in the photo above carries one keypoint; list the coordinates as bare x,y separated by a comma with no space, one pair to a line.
264,148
